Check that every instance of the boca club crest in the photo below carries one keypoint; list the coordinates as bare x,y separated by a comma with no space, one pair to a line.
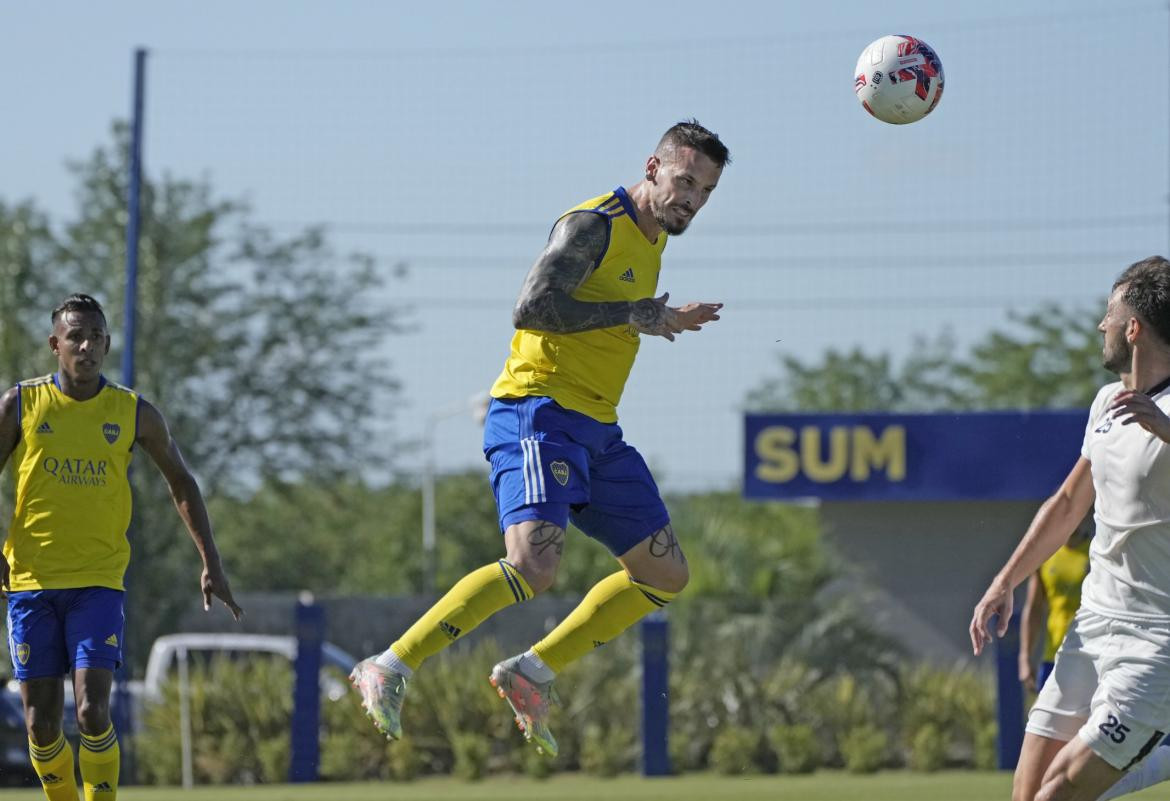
22,652
560,471
111,431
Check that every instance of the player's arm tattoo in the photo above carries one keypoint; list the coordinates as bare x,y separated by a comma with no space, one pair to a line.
546,301
648,315
546,537
663,544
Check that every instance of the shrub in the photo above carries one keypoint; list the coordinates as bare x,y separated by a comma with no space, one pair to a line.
958,703
733,752
928,748
240,715
607,752
471,752
865,748
797,747
987,747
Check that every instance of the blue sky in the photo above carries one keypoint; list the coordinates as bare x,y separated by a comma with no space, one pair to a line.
449,136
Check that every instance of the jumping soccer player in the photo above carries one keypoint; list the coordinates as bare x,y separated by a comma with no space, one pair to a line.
552,438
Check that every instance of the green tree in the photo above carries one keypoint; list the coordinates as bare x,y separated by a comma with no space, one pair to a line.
855,381
29,288
263,351
1047,358
1051,359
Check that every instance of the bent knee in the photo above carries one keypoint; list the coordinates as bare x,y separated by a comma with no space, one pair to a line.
670,578
539,574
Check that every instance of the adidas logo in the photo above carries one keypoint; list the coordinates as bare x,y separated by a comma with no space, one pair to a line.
44,428
50,778
598,643
103,787
627,276
112,640
449,630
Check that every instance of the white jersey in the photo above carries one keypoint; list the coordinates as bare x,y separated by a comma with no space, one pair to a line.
1129,560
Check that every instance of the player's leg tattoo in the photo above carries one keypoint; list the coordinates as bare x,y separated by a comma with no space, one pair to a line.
663,544
547,536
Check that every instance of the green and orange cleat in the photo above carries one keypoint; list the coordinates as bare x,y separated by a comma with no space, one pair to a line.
382,691
530,701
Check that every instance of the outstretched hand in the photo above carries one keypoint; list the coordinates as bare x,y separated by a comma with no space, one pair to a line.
996,601
214,582
1131,406
653,316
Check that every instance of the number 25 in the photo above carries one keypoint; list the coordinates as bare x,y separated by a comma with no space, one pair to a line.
1115,729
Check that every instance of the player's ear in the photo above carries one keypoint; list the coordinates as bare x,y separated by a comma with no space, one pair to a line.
53,343
107,345
1132,328
652,165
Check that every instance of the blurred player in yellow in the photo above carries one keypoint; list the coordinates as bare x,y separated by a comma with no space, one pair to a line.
556,451
1054,595
71,435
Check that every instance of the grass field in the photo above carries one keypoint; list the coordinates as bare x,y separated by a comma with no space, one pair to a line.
823,786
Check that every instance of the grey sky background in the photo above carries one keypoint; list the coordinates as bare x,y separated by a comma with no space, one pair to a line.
447,138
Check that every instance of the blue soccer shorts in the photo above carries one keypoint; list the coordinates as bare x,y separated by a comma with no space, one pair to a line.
554,464
51,631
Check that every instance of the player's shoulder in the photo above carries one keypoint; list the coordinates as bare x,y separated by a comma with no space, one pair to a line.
1105,393
30,383
10,398
123,392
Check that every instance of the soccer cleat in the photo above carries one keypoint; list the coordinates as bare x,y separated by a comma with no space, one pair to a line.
530,702
382,691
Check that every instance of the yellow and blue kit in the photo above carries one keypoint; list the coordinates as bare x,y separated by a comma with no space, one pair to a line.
551,431
1061,576
66,548
587,371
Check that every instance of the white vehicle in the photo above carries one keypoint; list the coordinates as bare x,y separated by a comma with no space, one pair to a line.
171,655
172,652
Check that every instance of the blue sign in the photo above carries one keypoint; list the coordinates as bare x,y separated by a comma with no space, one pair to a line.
902,457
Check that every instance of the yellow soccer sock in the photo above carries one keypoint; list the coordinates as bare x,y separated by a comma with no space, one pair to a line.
100,758
476,597
613,605
54,764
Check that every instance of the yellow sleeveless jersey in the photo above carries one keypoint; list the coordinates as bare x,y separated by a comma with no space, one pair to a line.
1062,575
72,494
587,371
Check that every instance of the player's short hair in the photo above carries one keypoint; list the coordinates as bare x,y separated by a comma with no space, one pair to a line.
1147,291
689,133
78,302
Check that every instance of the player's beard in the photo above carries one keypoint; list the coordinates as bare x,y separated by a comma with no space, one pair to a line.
1117,356
672,227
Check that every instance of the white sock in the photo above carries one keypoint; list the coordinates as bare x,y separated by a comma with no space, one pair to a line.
534,667
1150,771
389,659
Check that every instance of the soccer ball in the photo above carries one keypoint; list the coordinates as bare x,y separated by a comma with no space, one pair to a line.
899,79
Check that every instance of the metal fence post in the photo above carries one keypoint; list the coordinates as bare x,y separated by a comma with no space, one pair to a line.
655,696
306,718
1010,713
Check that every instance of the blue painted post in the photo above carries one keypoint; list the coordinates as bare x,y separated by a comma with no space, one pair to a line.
133,216
655,696
1011,696
306,719
120,712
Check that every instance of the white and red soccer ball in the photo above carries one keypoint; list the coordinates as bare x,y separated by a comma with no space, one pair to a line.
899,79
